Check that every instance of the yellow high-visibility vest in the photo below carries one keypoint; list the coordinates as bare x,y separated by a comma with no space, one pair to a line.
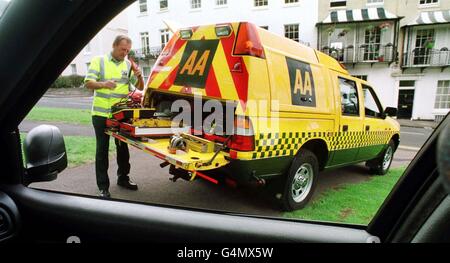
104,68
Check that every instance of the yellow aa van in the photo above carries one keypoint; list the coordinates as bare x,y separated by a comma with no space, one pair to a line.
294,111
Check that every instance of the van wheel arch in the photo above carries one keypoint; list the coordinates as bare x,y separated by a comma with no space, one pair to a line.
320,149
396,139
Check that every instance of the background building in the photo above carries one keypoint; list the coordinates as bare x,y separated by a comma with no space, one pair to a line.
295,19
424,80
363,35
99,45
400,47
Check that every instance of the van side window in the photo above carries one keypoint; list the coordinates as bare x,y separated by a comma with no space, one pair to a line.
349,97
371,103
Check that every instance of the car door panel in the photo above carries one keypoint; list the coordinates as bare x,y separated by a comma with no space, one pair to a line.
350,123
53,217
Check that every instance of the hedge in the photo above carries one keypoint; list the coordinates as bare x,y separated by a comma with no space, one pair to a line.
72,81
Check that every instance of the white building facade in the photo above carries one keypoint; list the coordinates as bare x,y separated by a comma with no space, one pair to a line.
400,47
295,19
425,76
99,45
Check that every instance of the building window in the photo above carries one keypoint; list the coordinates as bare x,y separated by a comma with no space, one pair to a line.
443,95
375,1
163,4
428,2
73,68
338,3
143,6
424,44
291,32
372,42
407,83
221,2
196,4
265,27
164,37
290,1
146,73
145,43
363,77
258,3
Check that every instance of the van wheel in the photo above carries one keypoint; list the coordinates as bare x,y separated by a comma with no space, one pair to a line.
301,181
381,165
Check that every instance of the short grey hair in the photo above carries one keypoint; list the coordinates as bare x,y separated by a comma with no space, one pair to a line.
119,39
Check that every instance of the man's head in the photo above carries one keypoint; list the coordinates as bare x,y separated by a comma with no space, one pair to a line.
121,47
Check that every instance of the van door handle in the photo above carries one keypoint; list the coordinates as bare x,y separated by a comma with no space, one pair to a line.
345,128
367,127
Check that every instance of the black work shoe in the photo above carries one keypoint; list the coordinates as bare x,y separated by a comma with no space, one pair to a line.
127,183
104,194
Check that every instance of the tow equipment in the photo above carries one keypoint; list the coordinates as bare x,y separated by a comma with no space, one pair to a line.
153,133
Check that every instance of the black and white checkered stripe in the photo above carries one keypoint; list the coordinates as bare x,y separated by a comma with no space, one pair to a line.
288,143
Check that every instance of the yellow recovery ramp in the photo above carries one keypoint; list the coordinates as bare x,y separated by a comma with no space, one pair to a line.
198,156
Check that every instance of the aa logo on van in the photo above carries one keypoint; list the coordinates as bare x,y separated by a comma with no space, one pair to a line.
196,63
302,83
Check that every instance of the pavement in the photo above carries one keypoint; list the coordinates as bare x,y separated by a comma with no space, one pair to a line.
418,123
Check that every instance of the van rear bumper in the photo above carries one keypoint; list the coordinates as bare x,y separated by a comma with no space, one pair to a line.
247,171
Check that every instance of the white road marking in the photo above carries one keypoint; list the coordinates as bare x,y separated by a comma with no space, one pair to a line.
413,133
409,148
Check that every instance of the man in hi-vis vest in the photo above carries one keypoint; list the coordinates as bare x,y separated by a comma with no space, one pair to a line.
111,77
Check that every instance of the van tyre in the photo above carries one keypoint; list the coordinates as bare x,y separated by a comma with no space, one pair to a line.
301,181
381,165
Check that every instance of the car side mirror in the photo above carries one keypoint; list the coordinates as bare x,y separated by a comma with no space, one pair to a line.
45,154
390,111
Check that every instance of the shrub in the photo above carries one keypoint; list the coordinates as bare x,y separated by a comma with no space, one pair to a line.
72,81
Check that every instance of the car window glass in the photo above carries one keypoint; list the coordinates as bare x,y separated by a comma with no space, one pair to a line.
372,108
349,97
254,163
3,6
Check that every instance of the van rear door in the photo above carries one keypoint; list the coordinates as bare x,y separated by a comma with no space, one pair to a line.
208,61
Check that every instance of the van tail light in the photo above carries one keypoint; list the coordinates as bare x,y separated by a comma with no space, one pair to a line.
248,42
243,138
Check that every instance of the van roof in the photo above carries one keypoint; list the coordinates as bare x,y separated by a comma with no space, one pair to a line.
298,50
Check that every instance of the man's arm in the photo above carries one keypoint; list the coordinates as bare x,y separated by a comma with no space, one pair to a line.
136,76
93,85
91,81
140,82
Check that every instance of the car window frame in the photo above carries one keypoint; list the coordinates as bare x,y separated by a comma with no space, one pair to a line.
11,153
375,98
357,96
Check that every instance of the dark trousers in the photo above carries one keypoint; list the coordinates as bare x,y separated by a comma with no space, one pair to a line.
101,155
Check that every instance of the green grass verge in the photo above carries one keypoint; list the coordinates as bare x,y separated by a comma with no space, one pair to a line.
80,149
72,116
351,203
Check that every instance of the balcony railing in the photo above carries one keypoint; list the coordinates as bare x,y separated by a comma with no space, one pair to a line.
148,53
424,57
372,53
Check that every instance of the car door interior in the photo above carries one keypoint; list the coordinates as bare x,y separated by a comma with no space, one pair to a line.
28,214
